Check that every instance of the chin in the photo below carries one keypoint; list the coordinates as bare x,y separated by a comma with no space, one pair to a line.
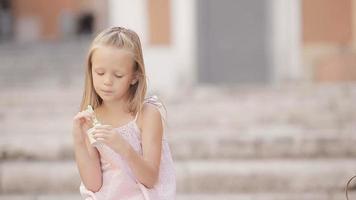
108,98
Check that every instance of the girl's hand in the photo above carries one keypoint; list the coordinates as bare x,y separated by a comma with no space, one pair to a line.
81,123
109,136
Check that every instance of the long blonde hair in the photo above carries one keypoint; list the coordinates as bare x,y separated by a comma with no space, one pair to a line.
120,38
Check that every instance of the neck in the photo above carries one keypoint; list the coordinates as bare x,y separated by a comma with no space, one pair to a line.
119,106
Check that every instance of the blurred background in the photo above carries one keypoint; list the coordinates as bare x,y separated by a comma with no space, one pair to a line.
260,94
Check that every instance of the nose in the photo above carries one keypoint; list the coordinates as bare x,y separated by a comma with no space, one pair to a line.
108,80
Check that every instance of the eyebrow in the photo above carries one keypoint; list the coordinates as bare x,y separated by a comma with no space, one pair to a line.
98,68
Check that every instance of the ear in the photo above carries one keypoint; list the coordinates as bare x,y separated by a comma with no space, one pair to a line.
134,80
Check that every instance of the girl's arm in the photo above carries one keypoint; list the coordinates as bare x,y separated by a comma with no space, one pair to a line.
87,159
146,167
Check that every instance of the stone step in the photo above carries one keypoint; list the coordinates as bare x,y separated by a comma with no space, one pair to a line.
177,118
268,196
306,109
50,121
238,196
273,142
215,144
211,177
325,113
52,63
317,94
289,95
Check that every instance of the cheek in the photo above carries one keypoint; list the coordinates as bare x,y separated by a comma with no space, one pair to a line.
96,81
121,85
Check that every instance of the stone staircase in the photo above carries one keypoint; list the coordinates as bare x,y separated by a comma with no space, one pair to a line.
249,143
48,64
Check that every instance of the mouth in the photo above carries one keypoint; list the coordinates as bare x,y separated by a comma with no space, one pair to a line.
106,91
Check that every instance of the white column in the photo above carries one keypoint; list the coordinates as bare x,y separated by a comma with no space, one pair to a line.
184,39
170,68
131,14
286,41
353,3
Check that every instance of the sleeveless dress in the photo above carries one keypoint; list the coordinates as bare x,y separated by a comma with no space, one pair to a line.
119,182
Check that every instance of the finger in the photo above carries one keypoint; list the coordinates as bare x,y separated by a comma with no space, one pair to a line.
86,113
104,127
103,132
99,135
100,139
84,118
87,117
78,115
82,115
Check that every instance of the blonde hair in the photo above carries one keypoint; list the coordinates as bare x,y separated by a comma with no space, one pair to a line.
120,38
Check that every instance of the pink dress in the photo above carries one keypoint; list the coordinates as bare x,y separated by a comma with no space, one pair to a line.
119,182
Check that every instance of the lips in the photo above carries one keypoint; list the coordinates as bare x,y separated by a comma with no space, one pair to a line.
106,91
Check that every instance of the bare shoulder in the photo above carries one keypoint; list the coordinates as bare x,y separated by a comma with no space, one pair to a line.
150,113
150,117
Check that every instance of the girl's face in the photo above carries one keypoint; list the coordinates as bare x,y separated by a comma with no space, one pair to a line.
112,70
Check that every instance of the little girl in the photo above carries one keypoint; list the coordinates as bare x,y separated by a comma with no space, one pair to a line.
130,157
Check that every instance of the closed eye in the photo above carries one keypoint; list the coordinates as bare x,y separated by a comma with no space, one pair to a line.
118,76
100,74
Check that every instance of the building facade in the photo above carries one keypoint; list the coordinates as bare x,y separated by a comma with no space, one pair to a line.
203,42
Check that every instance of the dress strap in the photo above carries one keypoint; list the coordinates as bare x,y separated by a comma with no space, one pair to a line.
136,116
153,100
